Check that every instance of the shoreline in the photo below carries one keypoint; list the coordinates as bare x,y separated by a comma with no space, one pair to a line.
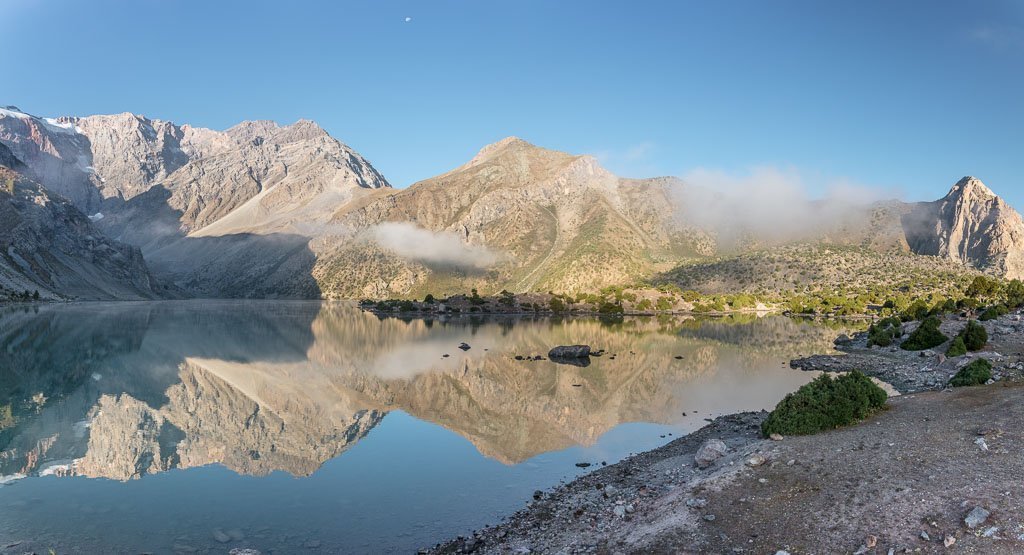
904,479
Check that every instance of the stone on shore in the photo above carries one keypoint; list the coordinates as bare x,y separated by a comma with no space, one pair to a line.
711,451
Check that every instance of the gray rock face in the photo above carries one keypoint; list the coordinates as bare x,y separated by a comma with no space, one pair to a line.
711,451
46,244
569,351
971,225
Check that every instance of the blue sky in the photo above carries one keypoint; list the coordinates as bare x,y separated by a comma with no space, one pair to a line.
903,96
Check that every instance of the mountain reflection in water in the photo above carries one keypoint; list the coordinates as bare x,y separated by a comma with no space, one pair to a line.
130,389
173,427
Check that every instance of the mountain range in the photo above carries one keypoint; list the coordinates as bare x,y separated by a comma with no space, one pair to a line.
122,206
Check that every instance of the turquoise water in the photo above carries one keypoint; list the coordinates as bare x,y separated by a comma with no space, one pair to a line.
298,426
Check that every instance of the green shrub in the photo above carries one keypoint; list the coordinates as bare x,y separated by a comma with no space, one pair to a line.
556,304
975,373
993,312
957,348
406,306
916,311
610,308
1015,294
884,332
645,305
983,287
429,299
926,336
665,303
824,404
975,336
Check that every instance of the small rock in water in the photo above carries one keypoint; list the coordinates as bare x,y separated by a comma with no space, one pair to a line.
236,534
976,517
583,464
464,346
312,544
711,451
220,536
243,551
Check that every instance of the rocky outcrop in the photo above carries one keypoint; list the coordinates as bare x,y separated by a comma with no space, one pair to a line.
971,225
49,246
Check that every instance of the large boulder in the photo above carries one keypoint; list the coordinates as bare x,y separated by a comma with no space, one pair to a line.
711,451
569,352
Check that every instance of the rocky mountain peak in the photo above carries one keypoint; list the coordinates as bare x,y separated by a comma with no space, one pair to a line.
971,188
504,145
971,225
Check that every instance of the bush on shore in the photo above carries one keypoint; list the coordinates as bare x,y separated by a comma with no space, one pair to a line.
884,332
926,336
957,348
975,336
975,373
824,404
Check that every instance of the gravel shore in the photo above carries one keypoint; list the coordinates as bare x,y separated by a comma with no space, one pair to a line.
939,470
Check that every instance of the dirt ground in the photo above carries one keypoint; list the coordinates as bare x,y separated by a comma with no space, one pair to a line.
903,481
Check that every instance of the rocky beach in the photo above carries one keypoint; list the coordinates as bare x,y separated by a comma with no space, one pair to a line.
937,470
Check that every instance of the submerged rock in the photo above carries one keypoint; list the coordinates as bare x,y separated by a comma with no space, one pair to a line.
570,351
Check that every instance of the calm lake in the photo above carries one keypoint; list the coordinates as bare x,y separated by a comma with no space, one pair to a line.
292,427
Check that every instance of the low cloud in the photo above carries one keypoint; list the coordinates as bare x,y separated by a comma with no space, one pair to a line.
437,249
772,203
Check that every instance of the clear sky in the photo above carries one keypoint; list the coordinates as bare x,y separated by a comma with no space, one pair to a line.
904,96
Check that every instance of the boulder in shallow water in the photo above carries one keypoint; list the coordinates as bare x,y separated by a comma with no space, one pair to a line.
569,351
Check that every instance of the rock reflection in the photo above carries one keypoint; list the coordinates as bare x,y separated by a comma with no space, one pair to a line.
125,390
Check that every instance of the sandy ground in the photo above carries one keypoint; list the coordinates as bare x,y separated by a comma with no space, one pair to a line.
902,481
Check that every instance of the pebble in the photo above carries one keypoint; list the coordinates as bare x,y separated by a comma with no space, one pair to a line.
620,511
871,542
990,532
925,536
948,541
697,503
756,460
776,437
709,517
